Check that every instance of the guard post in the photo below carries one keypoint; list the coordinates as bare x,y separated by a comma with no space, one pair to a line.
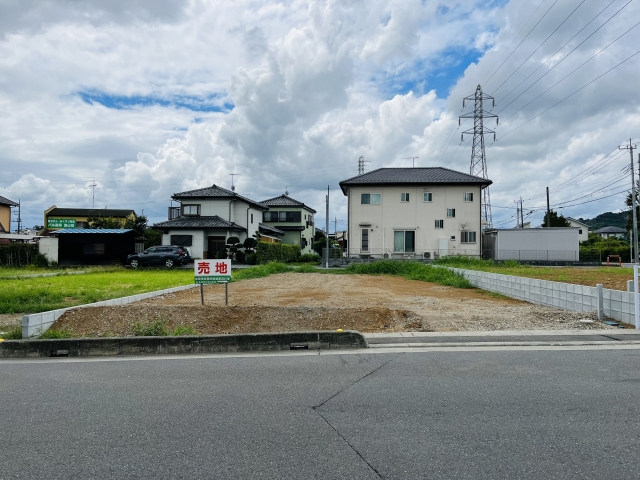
213,271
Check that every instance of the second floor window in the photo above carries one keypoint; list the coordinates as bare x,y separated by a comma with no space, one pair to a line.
370,198
428,196
190,210
404,197
439,223
451,212
468,196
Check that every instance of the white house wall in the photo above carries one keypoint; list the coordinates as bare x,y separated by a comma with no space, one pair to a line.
537,244
417,215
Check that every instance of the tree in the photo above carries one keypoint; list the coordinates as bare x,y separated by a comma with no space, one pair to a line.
552,219
629,203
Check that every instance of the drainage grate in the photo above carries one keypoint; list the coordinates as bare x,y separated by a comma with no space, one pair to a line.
299,346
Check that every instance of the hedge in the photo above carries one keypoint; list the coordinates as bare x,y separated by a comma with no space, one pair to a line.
19,254
276,252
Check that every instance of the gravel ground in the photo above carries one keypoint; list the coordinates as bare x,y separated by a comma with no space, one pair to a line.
309,301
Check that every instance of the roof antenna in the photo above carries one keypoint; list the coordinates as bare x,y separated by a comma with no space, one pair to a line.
413,160
286,190
233,187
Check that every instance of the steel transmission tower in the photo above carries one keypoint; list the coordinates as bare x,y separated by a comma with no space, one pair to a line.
478,157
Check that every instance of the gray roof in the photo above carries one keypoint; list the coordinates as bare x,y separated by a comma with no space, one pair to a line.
285,201
214,222
215,192
6,201
89,212
270,230
413,176
611,230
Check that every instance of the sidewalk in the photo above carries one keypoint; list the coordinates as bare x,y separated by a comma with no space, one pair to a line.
503,338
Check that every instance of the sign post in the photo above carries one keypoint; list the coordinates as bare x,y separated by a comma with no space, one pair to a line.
212,271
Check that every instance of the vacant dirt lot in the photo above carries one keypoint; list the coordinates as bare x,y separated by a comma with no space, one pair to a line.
295,301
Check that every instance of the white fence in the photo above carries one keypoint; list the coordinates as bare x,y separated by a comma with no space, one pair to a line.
614,304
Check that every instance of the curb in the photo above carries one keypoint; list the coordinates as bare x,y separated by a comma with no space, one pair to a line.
116,346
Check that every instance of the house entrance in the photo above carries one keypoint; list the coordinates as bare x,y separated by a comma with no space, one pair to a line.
215,246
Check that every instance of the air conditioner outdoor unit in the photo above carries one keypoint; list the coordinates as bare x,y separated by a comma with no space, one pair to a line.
426,255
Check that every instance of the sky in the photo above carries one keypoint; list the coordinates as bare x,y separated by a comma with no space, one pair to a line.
121,104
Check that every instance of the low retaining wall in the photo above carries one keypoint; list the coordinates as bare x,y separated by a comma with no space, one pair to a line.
614,304
35,324
85,347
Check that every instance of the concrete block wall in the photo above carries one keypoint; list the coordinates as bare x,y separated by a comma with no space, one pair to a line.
35,324
616,304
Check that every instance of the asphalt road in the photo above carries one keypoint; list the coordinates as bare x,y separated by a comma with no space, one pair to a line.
534,414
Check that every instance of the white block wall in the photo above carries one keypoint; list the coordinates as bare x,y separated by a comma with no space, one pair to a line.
617,304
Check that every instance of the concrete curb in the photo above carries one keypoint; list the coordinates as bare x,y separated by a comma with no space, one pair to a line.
89,347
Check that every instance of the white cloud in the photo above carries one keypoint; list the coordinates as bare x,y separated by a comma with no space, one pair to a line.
313,85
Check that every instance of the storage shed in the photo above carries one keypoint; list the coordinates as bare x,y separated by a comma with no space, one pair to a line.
81,246
555,244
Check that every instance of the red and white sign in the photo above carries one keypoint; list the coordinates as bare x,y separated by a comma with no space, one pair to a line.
212,271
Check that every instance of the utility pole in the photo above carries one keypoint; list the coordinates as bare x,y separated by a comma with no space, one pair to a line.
521,214
327,222
548,210
634,234
478,157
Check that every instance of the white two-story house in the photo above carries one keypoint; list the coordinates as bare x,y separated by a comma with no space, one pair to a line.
292,217
414,212
207,217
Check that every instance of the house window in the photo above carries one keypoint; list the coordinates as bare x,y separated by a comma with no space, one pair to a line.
191,210
252,218
290,217
439,223
370,198
270,216
580,231
467,237
404,241
468,196
364,241
451,212
404,197
182,240
428,196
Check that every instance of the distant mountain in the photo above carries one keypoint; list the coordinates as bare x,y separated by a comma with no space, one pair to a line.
608,219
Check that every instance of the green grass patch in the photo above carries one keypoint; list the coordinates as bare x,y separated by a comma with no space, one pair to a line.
57,333
158,328
412,271
13,333
39,294
260,271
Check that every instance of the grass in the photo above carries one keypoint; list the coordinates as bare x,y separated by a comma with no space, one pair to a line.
23,294
158,328
412,271
576,275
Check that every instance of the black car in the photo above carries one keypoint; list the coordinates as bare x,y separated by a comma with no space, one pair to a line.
165,255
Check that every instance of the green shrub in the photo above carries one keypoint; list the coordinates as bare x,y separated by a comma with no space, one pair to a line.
240,256
250,258
310,258
154,328
277,252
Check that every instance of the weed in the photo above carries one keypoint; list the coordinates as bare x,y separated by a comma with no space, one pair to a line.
181,330
57,333
154,328
412,271
14,333
260,271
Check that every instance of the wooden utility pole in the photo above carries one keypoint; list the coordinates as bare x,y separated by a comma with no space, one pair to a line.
548,210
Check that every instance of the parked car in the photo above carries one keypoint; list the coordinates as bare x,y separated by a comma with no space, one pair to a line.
165,255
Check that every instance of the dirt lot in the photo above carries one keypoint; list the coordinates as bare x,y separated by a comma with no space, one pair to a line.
294,302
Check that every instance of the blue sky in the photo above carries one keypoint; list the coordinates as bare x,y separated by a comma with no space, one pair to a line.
145,99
